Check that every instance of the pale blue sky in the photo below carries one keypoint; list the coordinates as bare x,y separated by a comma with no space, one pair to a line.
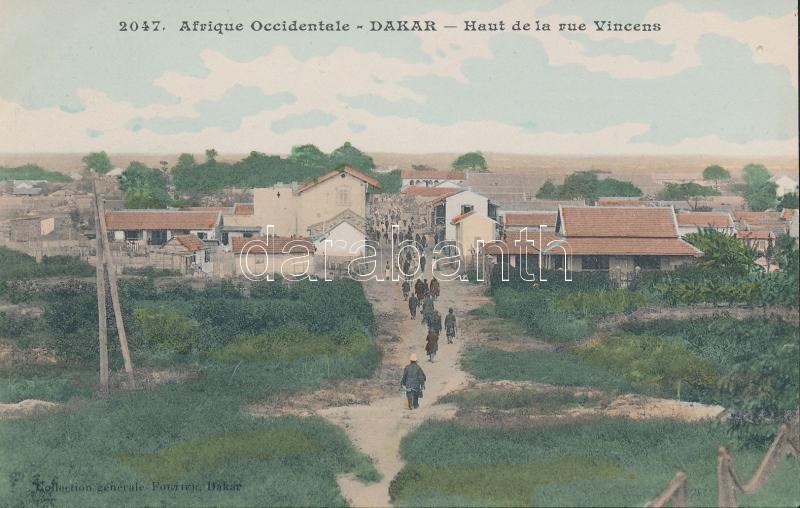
729,81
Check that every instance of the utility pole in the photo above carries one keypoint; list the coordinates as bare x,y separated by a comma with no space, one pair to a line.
108,262
102,319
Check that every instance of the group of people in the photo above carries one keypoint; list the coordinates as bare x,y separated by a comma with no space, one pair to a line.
427,293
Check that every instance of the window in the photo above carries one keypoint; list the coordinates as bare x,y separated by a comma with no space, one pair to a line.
201,235
466,208
594,262
131,235
647,262
343,196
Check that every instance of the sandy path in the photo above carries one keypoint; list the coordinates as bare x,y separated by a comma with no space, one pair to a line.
376,429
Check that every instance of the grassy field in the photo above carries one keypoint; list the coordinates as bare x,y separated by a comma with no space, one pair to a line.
169,442
602,462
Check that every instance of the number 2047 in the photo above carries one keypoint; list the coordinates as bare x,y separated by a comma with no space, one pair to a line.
143,26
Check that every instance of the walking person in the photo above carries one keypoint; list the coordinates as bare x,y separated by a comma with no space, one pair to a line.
412,305
406,288
431,344
434,288
435,321
422,262
427,310
450,326
413,382
388,272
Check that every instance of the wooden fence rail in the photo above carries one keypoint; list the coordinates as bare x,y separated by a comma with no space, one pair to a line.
786,442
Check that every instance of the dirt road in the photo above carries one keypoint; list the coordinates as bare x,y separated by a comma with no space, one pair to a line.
376,429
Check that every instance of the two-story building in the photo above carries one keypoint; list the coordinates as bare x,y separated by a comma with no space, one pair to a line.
292,208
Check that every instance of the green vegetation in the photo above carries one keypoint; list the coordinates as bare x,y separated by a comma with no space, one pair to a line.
290,343
653,365
150,272
32,172
496,398
261,170
600,462
98,162
587,185
144,187
474,161
789,200
15,265
759,191
195,432
716,174
560,368
722,252
692,193
187,435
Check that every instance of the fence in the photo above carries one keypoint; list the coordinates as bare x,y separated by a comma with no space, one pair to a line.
787,441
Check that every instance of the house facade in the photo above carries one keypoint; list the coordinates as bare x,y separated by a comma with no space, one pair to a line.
785,185
459,202
291,209
157,227
473,231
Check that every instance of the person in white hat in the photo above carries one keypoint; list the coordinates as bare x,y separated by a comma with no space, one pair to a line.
413,382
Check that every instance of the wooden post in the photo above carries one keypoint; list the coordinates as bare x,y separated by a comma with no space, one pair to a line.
102,319
112,283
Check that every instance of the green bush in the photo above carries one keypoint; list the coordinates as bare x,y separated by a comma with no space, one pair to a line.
52,389
596,304
166,328
654,363
560,368
290,343
16,265
505,398
150,272
32,172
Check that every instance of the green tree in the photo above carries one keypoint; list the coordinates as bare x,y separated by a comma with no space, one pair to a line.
547,191
309,155
166,328
472,160
348,155
98,162
759,191
789,200
722,252
186,160
211,155
144,187
690,192
716,174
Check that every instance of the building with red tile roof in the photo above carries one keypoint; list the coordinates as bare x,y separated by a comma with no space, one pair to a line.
157,227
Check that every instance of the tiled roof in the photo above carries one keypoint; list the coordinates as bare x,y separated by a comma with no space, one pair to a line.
705,219
788,213
534,219
755,216
191,242
429,192
223,209
160,219
617,201
515,243
755,235
273,244
336,172
632,247
621,222
244,209
778,225
458,218
411,174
